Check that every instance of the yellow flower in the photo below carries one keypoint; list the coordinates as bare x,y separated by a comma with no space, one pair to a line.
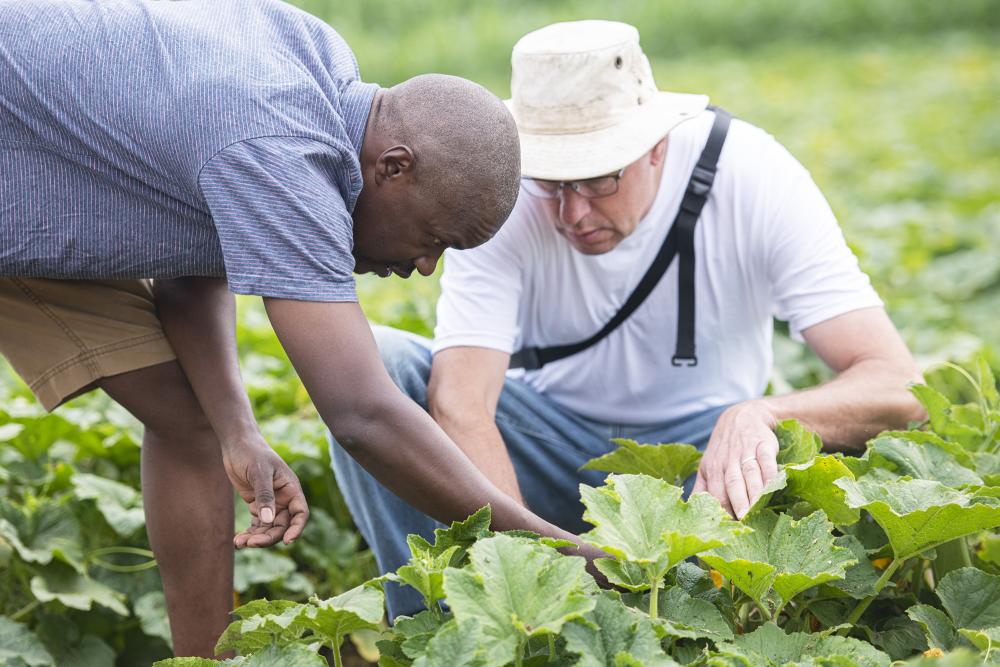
716,578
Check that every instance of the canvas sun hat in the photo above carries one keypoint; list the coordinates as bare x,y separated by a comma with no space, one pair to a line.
584,100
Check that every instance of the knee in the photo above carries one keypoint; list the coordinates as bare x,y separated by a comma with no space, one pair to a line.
407,359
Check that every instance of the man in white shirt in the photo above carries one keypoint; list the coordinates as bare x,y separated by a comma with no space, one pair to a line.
607,159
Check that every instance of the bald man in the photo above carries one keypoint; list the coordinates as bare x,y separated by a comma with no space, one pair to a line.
220,148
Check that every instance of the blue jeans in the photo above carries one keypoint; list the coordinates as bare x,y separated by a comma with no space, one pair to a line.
547,445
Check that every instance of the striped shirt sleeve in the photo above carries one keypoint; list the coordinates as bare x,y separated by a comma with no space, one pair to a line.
281,219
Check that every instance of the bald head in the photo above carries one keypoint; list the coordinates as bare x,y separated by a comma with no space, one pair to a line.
465,147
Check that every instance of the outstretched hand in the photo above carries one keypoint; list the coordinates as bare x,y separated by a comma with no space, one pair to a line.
272,492
741,457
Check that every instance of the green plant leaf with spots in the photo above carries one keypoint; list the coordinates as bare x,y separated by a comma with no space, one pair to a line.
919,514
673,462
612,633
647,527
516,589
813,483
796,443
926,459
783,556
769,645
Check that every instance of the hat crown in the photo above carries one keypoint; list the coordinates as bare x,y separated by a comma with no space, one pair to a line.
579,76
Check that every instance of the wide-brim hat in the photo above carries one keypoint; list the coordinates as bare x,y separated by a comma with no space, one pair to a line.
585,102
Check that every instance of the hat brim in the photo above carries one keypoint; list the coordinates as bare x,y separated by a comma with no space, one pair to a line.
570,157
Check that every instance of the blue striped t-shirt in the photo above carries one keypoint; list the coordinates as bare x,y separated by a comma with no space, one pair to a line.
150,139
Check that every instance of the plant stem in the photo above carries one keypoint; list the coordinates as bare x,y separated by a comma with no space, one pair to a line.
654,594
25,610
519,655
552,648
951,556
879,585
337,660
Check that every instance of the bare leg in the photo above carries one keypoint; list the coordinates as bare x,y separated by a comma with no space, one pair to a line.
188,501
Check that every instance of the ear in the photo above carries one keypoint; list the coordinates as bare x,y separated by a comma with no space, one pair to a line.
393,163
659,151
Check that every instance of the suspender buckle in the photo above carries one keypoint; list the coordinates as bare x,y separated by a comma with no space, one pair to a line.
684,361
701,180
526,358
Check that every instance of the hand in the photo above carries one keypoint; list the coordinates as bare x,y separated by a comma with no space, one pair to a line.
741,457
271,490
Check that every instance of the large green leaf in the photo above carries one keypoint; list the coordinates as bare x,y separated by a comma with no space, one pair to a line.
860,579
918,514
813,482
683,616
461,534
454,646
938,629
920,460
782,554
151,610
255,635
611,633
971,597
672,463
516,589
44,531
332,619
769,645
796,443
644,523
289,655
120,504
260,566
20,643
77,591
414,632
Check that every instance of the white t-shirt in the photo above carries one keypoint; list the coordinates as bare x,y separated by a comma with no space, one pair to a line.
766,245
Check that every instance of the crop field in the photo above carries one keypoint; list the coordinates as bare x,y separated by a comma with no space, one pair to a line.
893,555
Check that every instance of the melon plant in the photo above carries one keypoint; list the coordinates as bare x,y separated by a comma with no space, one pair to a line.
850,561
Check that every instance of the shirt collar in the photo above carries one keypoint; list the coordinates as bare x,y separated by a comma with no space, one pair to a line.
356,101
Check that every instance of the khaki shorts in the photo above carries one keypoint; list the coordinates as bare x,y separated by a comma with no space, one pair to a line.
62,336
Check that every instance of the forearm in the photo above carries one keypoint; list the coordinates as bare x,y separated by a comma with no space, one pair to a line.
869,397
477,435
199,319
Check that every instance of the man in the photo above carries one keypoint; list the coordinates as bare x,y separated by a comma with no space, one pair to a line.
607,159
201,144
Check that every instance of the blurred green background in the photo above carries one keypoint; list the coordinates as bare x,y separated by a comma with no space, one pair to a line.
891,104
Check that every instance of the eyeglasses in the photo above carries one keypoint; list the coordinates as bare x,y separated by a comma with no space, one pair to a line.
590,188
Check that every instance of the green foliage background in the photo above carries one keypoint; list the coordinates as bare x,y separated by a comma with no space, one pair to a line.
891,104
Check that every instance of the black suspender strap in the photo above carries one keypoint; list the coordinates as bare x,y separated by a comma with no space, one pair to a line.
680,240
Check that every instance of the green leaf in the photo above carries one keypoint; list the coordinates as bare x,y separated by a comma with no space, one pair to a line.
425,569
151,610
813,482
938,628
417,631
672,463
121,505
290,655
611,633
454,646
88,652
971,597
920,460
681,615
260,566
644,522
860,579
784,555
956,450
357,609
918,514
77,591
462,534
987,383
769,645
255,635
514,590
20,643
899,637
796,444
940,410
43,532
984,639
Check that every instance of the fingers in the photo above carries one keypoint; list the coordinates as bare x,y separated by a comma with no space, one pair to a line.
299,511
263,492
260,535
736,489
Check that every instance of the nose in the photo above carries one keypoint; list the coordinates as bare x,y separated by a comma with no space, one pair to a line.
572,206
426,264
